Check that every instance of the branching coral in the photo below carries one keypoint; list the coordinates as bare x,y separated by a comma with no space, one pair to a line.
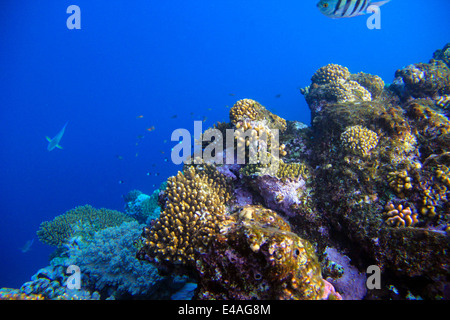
359,140
193,213
83,221
250,110
400,217
426,79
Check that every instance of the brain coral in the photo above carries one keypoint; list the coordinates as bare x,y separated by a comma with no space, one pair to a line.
83,221
193,213
359,140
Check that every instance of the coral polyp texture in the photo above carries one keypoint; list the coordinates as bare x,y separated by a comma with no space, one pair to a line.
257,256
399,216
81,221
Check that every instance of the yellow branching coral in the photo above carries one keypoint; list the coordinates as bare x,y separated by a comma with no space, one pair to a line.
83,221
359,140
194,211
400,217
330,73
443,174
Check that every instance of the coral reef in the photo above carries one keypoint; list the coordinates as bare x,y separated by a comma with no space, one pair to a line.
110,267
82,221
443,54
334,83
248,109
15,294
399,216
423,80
367,184
142,207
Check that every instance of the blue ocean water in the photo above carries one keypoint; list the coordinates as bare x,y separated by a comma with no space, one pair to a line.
139,64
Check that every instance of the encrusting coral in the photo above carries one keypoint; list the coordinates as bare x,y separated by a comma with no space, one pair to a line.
399,216
193,213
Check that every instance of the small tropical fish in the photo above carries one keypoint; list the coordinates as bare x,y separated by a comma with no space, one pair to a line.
174,116
150,129
121,181
140,136
139,117
231,94
278,96
346,8
27,246
54,143
119,157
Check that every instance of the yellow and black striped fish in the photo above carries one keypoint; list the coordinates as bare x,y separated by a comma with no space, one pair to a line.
346,8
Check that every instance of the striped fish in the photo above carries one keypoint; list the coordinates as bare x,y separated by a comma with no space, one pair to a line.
346,8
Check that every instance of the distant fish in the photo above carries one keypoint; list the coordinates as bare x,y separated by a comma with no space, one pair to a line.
121,181
346,8
278,96
27,246
119,157
141,136
139,117
54,143
150,129
174,116
231,94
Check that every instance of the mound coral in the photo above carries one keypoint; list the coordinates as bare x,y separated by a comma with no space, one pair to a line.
359,140
400,217
83,221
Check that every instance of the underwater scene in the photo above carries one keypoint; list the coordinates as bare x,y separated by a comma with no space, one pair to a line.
225,150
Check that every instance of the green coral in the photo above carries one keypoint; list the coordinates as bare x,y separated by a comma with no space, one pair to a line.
81,221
